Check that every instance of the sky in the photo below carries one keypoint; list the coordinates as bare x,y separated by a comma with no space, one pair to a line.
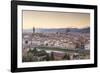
47,19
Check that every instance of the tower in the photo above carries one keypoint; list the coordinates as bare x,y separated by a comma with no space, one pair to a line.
33,29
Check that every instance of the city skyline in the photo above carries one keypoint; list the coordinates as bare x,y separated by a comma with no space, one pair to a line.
43,19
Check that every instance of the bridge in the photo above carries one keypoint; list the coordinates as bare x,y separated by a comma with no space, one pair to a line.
66,50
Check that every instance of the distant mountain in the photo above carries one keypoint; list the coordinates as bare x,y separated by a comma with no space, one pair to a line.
82,30
86,30
61,30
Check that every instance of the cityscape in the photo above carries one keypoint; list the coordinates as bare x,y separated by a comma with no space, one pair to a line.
55,36
51,46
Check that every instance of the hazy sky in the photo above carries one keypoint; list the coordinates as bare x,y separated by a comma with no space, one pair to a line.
41,19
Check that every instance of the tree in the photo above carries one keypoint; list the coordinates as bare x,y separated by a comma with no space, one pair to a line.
52,56
28,57
66,57
47,57
34,51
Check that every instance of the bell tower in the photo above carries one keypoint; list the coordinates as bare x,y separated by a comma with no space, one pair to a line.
33,29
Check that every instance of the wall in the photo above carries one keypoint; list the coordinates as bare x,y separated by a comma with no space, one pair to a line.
5,36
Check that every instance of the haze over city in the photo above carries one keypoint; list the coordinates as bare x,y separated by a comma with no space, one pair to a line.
43,19
55,36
